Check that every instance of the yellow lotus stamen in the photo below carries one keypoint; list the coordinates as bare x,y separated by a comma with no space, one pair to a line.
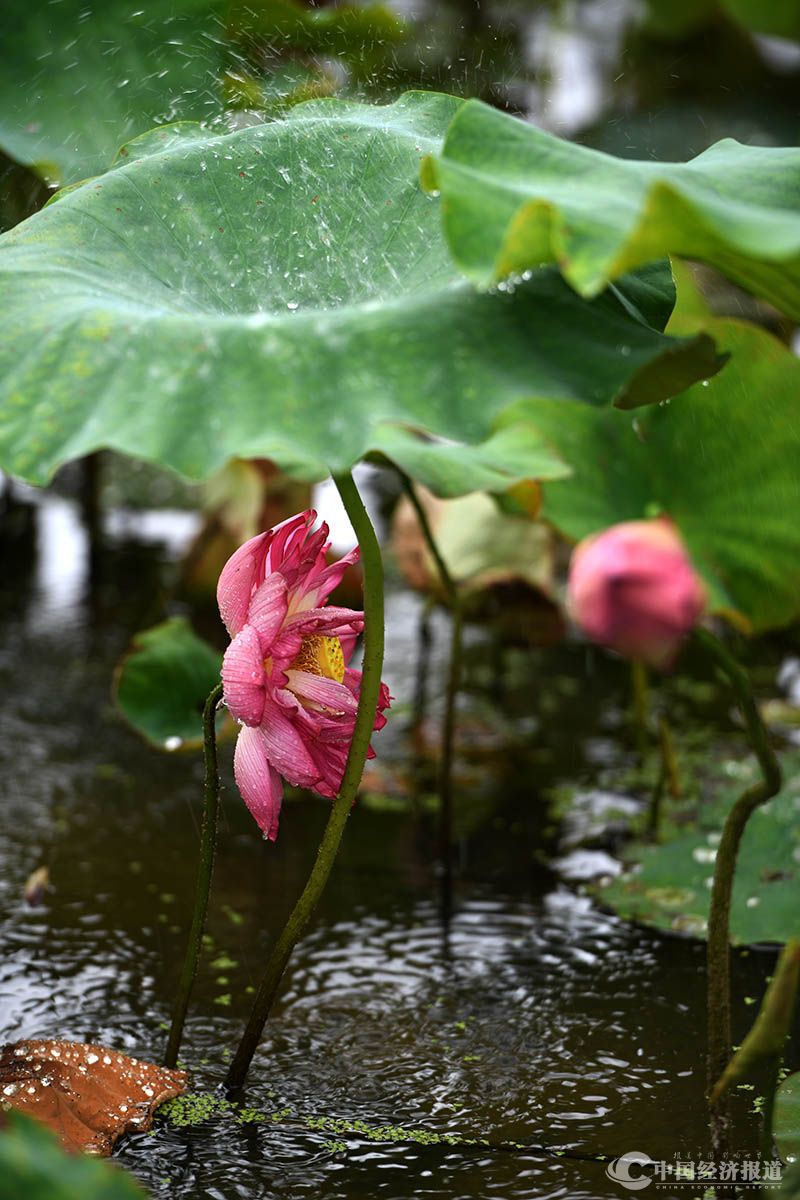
321,656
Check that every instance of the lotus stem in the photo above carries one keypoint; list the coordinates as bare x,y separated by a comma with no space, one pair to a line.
205,870
668,774
669,759
640,706
718,951
424,643
655,812
453,682
331,838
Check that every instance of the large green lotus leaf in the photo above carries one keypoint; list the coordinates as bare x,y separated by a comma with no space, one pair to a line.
284,292
33,1166
668,885
723,460
162,684
515,197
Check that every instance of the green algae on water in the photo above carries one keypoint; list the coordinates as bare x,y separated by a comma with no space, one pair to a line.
195,1108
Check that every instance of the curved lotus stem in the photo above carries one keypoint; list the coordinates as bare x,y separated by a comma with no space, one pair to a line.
365,718
718,952
208,842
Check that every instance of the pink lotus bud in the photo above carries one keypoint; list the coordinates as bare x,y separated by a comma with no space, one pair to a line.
633,588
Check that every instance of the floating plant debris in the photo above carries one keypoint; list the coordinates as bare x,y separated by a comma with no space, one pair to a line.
88,1095
37,885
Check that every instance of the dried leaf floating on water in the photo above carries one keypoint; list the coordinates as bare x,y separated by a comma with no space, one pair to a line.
89,1095
37,885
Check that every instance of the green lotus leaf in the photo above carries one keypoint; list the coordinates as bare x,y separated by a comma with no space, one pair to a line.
450,469
668,885
284,292
162,684
515,197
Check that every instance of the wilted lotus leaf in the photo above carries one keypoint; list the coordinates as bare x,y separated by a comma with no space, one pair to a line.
482,546
89,1095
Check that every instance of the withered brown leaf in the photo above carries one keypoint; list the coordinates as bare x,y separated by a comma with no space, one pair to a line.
87,1094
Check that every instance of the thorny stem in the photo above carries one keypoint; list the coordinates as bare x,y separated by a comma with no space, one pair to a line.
365,719
208,841
718,951
453,682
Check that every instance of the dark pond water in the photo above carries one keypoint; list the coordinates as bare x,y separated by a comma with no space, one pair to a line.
531,1017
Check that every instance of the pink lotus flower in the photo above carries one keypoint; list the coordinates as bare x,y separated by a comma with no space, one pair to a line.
633,588
284,674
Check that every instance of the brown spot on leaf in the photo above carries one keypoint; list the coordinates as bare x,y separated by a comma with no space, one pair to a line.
88,1095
